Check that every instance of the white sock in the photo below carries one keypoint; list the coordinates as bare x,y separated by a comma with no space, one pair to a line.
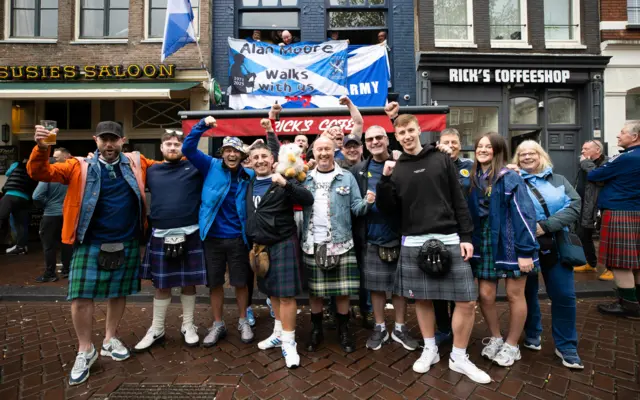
288,336
458,354
277,327
510,346
382,326
430,343
399,327
188,306
159,313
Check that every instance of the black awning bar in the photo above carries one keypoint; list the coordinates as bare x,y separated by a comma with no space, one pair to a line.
309,112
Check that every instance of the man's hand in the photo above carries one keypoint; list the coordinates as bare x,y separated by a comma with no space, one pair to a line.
443,148
466,251
388,168
275,111
392,109
539,230
312,164
514,167
328,135
370,196
525,264
582,158
266,124
41,134
345,101
210,122
278,179
90,154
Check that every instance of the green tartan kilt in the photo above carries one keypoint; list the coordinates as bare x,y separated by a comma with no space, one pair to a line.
87,281
343,280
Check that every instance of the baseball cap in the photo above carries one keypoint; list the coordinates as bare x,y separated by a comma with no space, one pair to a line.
351,138
235,143
109,127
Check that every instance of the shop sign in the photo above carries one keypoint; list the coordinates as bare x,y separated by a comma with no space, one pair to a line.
87,72
483,75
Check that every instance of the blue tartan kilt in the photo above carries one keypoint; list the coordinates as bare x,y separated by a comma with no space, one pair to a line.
168,273
283,277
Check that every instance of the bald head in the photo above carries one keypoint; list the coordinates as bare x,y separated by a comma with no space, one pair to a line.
323,152
286,37
322,140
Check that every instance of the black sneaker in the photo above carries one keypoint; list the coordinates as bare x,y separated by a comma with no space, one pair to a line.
402,336
378,338
17,250
368,321
46,278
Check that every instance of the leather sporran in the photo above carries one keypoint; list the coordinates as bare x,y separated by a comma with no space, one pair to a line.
434,259
259,260
111,256
323,261
389,254
174,246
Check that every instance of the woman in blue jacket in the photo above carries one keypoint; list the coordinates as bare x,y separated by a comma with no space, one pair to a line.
504,243
562,204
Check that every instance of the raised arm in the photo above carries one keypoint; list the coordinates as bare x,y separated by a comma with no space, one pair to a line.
40,169
190,146
610,170
386,197
356,117
272,139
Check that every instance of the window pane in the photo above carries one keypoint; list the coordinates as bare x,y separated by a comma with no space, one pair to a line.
160,4
289,3
107,110
376,2
471,122
523,111
356,19
269,20
562,110
633,12
338,2
56,110
156,22
250,2
451,19
23,23
49,3
196,19
49,23
24,3
92,3
558,20
80,111
158,114
269,3
118,23
195,3
357,2
119,4
633,106
92,23
505,20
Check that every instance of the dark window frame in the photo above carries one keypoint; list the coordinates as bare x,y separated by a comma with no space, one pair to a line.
67,103
106,9
366,7
266,10
37,19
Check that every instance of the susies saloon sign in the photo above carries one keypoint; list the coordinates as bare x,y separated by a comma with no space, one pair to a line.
86,72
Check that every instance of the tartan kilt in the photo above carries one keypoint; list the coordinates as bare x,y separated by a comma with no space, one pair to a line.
283,277
485,268
87,281
378,275
620,240
167,273
344,280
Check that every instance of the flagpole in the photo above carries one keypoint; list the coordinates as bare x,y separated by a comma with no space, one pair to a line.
202,64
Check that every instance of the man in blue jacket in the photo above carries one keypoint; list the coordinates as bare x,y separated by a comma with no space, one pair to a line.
620,232
222,223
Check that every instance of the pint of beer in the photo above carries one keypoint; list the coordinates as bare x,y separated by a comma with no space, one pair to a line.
50,126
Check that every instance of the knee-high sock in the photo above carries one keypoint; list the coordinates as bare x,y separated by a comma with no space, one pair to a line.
188,307
159,313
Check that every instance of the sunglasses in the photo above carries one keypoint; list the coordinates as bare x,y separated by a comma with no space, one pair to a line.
172,131
112,172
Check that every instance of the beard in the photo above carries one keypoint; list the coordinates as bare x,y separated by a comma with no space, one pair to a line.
172,158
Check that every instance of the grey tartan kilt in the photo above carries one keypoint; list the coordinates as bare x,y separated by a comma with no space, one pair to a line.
378,275
411,282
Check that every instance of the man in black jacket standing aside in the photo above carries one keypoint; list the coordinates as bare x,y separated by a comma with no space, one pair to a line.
423,193
271,228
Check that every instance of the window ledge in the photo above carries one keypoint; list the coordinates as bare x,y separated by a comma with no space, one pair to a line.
464,45
151,40
564,45
498,44
100,41
633,26
29,41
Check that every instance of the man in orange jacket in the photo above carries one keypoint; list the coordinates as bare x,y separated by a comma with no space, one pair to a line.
104,214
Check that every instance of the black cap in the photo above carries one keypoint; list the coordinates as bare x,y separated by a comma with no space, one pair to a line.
351,138
109,127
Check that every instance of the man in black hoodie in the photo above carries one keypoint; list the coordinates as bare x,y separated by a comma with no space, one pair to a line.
423,193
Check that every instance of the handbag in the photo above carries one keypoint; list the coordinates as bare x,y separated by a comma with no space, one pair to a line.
568,244
259,260
111,256
434,259
174,246
323,261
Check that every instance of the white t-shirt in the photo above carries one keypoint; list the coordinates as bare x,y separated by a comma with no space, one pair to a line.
321,220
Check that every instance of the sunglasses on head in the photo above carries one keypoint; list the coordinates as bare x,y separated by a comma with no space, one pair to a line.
173,131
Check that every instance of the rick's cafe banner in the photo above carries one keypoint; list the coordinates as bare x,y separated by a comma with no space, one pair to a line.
306,74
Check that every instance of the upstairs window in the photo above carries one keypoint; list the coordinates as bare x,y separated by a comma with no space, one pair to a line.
562,20
453,21
157,14
104,19
359,21
508,20
34,18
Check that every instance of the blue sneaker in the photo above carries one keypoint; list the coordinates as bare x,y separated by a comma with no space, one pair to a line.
273,315
443,337
533,343
570,359
81,367
251,319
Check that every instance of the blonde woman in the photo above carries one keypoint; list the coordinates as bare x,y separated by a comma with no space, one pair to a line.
557,206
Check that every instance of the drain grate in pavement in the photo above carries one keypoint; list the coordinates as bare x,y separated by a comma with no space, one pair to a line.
129,391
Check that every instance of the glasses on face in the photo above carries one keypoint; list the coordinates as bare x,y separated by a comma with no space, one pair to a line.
112,172
379,138
525,155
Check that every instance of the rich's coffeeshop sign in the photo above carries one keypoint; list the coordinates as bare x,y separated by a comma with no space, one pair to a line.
86,72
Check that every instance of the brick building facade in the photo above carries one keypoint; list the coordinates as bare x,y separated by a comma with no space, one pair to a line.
620,33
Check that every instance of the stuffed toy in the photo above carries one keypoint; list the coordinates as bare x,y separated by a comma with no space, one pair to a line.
290,164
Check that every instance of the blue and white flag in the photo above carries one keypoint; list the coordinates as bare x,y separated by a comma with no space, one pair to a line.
178,27
368,74
299,69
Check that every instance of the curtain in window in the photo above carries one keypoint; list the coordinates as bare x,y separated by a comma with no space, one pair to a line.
558,20
451,21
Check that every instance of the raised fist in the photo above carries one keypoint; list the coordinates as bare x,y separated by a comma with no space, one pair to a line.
344,100
392,109
210,122
388,168
265,124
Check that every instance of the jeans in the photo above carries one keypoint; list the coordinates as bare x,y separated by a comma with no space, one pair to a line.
586,237
19,208
50,234
562,293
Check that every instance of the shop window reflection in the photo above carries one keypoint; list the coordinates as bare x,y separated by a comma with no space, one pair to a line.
562,110
471,123
633,104
523,111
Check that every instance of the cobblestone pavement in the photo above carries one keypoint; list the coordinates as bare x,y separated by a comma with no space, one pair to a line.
39,350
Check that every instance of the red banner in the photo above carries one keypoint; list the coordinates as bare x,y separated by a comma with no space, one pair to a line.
308,125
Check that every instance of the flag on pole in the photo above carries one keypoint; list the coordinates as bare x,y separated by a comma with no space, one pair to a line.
178,27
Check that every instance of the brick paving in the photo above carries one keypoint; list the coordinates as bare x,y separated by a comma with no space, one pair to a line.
39,350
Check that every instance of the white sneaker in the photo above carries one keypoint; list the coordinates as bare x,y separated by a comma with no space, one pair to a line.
491,347
115,349
426,360
246,333
190,335
290,353
507,355
466,367
272,341
80,371
149,339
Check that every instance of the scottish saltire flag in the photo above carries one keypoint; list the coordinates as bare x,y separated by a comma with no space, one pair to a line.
368,74
178,27
299,69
